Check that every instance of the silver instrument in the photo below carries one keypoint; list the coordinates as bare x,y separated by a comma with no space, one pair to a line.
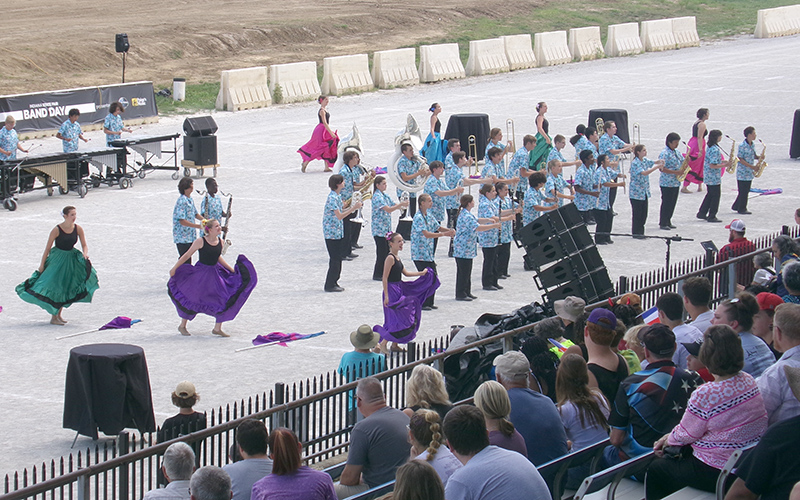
405,197
410,135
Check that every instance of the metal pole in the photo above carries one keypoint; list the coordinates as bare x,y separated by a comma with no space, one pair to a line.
731,280
123,446
279,418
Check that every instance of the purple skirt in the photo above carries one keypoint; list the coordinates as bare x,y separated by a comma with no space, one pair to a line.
404,312
322,146
212,290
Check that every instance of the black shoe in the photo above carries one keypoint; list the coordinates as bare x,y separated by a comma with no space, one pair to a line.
615,213
490,288
502,277
498,287
600,243
472,296
591,222
351,256
713,219
356,246
506,275
639,236
465,299
609,241
699,216
665,228
744,212
433,307
427,308
673,227
336,288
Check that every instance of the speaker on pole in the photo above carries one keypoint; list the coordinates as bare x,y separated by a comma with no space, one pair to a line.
121,43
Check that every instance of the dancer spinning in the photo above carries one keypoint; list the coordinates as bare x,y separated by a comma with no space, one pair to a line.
697,152
211,286
434,148
402,300
65,275
324,141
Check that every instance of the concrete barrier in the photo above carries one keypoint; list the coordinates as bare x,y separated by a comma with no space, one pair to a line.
657,35
551,48
487,57
298,81
780,21
685,31
243,89
394,68
519,51
440,62
346,74
623,40
585,44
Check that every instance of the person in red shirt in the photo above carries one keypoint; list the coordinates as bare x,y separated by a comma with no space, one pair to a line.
738,245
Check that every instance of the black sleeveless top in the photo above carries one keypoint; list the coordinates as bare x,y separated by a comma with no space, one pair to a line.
438,127
396,272
608,381
327,117
545,126
66,241
209,254
694,130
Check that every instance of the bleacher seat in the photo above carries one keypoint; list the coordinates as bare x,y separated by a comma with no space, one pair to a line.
695,494
555,470
613,483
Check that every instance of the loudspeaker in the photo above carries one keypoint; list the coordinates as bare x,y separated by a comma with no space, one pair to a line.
535,233
562,272
560,246
565,218
200,150
618,116
199,126
794,148
548,224
121,42
592,287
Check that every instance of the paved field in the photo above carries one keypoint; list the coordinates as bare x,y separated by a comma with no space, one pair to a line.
276,223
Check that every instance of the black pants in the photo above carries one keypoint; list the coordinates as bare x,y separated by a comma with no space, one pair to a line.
639,217
452,217
612,197
605,220
503,256
488,274
352,231
423,264
182,249
668,475
669,198
521,202
587,216
337,249
463,278
740,205
381,252
710,205
412,207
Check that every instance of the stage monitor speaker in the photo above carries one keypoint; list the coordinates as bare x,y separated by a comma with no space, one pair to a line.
121,42
603,287
199,126
564,218
561,272
592,287
794,148
591,259
618,116
559,246
535,233
200,150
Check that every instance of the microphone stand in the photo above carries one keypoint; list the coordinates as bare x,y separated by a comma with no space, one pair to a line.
667,239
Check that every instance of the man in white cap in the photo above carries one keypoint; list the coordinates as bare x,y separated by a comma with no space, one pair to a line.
568,310
738,245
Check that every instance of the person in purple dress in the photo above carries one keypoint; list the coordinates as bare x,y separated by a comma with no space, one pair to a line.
211,286
402,300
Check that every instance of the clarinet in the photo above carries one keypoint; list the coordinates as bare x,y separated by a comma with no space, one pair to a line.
225,241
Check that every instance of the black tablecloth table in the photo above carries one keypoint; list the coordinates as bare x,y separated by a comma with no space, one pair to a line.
794,147
464,125
618,116
107,388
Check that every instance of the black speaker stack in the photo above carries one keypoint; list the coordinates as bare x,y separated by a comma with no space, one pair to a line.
200,143
563,255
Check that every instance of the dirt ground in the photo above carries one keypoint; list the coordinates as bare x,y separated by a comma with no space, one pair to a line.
47,45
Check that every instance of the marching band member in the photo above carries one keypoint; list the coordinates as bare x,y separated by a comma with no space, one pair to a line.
507,205
519,164
493,168
434,147
409,169
559,142
555,185
745,170
536,202
587,142
425,230
604,213
184,212
211,286
455,177
9,140
639,191
112,125
436,188
612,146
382,208
712,176
70,132
333,230
538,156
495,141
402,300
586,188
488,208
465,245
324,142
697,152
352,230
211,206
668,180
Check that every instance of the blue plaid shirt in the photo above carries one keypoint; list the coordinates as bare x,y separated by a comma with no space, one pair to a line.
184,210
466,239
672,161
8,141
421,246
452,178
712,176
506,227
408,167
381,219
211,207
113,123
533,197
747,153
71,131
332,227
487,209
585,179
639,188
431,186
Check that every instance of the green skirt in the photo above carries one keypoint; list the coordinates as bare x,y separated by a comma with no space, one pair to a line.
67,278
537,158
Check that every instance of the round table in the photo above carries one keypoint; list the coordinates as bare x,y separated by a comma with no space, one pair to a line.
618,116
463,125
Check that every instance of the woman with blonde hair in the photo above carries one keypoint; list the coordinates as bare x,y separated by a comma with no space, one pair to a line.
633,343
425,389
425,436
492,400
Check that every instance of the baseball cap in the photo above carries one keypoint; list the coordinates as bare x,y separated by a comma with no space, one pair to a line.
693,347
512,364
603,318
569,308
768,301
185,390
658,339
736,225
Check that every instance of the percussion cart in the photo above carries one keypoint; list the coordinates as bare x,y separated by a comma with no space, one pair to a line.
110,163
149,147
54,170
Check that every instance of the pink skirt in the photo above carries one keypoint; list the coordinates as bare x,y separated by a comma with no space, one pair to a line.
696,164
322,146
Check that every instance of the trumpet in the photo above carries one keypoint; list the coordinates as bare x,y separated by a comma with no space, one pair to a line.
762,163
734,160
405,197
364,192
684,169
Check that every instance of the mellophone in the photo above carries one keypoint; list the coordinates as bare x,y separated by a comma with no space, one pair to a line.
149,147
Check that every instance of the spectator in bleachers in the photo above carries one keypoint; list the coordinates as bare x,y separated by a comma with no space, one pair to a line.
533,414
178,467
633,343
773,467
251,443
791,281
763,320
606,368
361,361
630,357
737,246
543,363
579,340
568,311
583,409
378,444
765,273
417,480
693,361
721,416
778,398
425,389
425,436
290,479
210,483
651,402
784,249
552,328
738,314
187,420
696,299
670,313
489,472
491,398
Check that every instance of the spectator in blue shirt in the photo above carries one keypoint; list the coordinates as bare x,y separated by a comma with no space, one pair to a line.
738,314
363,361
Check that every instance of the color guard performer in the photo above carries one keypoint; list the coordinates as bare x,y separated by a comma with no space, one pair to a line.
425,230
697,152
324,142
538,156
712,176
333,230
434,149
639,191
382,208
745,170
668,180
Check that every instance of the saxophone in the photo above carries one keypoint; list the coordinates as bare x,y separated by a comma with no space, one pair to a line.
684,169
762,163
734,160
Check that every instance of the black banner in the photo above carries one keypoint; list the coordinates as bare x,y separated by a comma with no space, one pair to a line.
48,110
